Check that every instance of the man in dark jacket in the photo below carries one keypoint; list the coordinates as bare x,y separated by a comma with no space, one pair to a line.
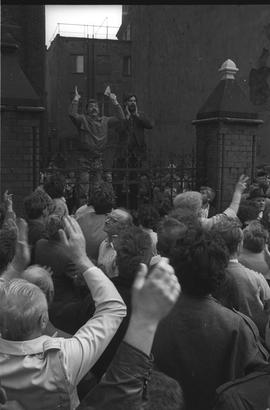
132,141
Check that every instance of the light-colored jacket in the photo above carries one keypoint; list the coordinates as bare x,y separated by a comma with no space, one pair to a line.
43,373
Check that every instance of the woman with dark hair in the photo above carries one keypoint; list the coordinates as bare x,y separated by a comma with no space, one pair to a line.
200,343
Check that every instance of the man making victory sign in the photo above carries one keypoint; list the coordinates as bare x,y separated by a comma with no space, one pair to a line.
93,134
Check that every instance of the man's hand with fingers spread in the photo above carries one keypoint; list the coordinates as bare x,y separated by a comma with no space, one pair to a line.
73,239
242,183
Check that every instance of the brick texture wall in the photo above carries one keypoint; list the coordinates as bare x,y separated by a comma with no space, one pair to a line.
224,152
19,155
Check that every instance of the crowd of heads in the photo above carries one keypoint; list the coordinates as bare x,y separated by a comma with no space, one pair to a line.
198,256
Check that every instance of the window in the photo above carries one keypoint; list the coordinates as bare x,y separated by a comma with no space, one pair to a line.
127,65
78,64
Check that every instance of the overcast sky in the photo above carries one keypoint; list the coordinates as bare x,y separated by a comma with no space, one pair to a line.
81,14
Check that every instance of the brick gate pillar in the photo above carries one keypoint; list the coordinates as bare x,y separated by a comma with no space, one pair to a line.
226,134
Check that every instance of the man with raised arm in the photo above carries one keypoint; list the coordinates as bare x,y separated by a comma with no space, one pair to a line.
93,135
37,369
124,384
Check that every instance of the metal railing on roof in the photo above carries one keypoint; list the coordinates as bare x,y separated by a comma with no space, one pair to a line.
86,31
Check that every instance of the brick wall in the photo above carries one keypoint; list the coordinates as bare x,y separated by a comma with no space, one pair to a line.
20,154
224,152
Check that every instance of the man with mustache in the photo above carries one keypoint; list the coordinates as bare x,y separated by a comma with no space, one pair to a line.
93,136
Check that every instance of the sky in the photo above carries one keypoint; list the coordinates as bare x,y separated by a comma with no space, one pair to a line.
98,15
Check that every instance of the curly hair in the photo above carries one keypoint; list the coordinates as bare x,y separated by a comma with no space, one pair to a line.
133,246
247,211
230,232
102,198
191,200
169,230
255,237
36,203
199,259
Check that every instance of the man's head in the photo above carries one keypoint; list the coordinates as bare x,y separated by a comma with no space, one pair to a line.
231,233
23,310
41,277
116,220
255,237
131,102
92,108
55,186
102,198
257,196
133,246
247,212
199,259
164,393
208,194
37,205
191,200
148,216
262,179
168,232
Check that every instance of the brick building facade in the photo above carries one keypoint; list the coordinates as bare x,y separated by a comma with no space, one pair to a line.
174,50
23,102
92,64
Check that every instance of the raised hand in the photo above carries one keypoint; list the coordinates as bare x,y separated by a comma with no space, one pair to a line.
153,296
77,95
113,99
73,239
8,200
242,183
22,253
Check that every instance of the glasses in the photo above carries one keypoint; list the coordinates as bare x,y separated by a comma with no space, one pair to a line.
111,218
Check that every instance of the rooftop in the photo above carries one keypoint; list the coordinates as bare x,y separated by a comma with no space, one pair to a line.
85,31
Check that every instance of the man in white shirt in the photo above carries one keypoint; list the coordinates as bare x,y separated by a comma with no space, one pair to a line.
37,369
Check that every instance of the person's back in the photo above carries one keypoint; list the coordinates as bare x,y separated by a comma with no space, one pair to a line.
255,262
201,343
242,284
253,254
251,392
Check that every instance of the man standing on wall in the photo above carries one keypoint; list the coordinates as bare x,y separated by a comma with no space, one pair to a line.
134,141
93,135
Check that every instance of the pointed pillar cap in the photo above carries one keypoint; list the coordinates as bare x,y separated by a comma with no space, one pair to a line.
228,70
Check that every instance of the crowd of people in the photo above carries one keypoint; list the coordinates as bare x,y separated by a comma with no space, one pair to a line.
112,309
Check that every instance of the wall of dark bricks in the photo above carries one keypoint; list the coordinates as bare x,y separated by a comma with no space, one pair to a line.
19,154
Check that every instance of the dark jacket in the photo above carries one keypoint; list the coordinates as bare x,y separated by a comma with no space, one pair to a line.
203,345
107,356
251,392
133,133
123,386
